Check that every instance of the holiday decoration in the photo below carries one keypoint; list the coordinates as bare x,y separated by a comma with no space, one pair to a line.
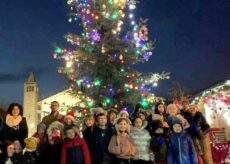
99,64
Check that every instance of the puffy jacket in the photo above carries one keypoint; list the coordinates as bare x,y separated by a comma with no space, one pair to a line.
75,151
181,150
141,139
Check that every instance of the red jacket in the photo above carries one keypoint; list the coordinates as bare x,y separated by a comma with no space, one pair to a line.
75,151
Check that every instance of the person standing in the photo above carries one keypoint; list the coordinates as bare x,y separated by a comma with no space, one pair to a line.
14,125
54,115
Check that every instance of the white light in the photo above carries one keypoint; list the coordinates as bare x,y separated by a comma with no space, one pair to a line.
133,22
69,64
132,6
130,15
155,84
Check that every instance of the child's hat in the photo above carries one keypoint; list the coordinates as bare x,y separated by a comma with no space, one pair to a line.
41,126
31,143
70,115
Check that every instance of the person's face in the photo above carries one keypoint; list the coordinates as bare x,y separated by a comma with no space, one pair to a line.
54,107
112,117
15,111
138,123
123,125
185,106
161,108
159,131
17,149
70,134
41,131
193,110
172,110
142,116
102,120
68,121
89,121
177,128
10,150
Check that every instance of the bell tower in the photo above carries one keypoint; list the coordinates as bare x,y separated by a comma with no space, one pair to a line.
30,104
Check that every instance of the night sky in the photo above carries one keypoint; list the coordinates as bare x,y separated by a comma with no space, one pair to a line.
193,43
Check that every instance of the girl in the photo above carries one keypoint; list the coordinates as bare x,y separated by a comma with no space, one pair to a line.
141,139
121,144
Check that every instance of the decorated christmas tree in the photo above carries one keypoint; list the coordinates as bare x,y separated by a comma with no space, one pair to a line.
100,64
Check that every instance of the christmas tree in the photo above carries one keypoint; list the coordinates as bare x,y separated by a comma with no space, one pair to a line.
99,66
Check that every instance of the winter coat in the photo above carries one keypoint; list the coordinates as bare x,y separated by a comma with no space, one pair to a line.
159,146
30,157
185,114
181,150
198,125
75,151
99,145
141,139
18,132
87,133
47,120
122,146
53,153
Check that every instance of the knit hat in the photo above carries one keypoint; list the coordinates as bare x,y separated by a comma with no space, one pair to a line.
41,126
70,115
176,121
31,143
155,124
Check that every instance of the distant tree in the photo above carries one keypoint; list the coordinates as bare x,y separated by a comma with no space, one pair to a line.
178,92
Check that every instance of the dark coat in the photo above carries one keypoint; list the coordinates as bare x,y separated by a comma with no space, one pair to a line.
99,145
53,153
75,151
159,146
19,132
30,157
87,134
198,125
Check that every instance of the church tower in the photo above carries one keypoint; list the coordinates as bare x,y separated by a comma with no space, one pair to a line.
30,104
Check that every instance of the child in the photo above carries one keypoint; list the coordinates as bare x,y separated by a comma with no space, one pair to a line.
159,142
100,140
69,118
121,144
160,114
54,146
30,155
74,149
87,132
141,139
7,156
181,148
112,115
17,151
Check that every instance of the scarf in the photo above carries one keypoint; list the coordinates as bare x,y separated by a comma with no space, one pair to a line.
11,121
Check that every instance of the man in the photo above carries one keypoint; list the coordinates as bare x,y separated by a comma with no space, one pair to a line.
54,115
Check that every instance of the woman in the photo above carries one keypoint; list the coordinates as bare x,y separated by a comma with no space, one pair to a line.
14,125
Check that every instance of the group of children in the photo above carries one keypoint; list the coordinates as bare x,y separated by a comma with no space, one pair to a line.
163,136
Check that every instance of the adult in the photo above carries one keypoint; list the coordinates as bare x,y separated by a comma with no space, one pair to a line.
54,115
14,125
185,110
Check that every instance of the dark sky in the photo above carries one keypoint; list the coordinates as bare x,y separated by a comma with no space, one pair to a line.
193,43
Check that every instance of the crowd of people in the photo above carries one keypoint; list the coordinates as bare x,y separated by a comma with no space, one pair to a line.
164,135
